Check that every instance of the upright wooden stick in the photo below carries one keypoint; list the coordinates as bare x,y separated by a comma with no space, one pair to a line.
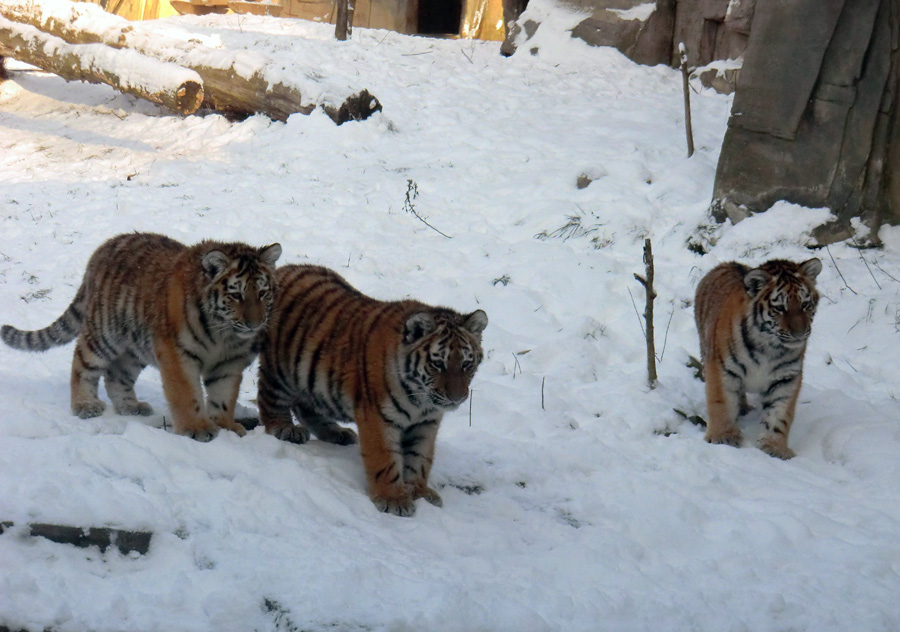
688,128
647,282
343,22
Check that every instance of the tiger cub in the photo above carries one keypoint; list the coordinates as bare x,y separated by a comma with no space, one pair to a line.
394,368
195,312
753,326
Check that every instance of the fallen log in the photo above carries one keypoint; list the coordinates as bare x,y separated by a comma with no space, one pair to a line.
167,84
239,83
102,537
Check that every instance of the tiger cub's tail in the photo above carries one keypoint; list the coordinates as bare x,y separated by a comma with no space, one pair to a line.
64,329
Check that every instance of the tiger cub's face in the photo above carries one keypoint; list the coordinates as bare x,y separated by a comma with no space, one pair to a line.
784,299
442,351
241,289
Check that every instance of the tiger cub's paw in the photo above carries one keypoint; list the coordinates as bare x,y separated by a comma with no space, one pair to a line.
430,495
203,436
730,437
88,409
291,434
337,434
200,430
403,506
235,427
774,446
142,409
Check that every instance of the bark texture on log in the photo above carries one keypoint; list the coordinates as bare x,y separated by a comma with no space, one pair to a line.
171,86
234,82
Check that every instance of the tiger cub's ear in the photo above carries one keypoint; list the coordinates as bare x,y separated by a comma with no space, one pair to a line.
270,254
214,262
418,325
476,322
755,280
811,268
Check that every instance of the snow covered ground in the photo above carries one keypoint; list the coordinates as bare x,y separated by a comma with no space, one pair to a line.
575,497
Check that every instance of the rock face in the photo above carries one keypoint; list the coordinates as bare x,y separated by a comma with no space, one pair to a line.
815,114
640,30
813,120
712,29
649,31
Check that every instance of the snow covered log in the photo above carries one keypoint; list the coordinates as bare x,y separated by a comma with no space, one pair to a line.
102,537
167,84
239,83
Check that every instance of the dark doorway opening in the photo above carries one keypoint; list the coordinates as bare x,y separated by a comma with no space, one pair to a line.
440,17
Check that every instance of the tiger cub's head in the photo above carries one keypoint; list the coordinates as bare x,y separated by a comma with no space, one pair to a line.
442,350
240,287
784,298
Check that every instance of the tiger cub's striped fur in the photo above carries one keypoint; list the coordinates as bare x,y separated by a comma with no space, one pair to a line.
753,325
394,368
195,312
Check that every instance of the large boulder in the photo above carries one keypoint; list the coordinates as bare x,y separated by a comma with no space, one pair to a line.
646,31
813,120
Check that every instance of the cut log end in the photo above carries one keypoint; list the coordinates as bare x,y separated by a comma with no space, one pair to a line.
188,97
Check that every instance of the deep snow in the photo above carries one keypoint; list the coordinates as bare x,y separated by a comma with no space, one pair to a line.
575,498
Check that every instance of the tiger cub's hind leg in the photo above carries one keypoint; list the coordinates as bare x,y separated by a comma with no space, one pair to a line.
87,367
119,378
324,428
275,411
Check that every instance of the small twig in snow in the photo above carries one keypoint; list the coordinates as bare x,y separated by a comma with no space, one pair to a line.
636,312
666,335
846,285
885,273
412,192
859,250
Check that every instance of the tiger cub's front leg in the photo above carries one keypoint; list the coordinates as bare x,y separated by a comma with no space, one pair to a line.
779,404
222,390
181,386
418,455
380,443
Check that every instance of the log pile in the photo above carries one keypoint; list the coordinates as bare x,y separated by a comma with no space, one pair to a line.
169,85
236,83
